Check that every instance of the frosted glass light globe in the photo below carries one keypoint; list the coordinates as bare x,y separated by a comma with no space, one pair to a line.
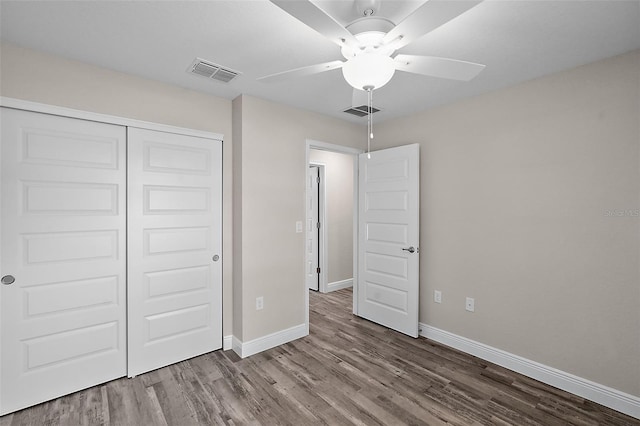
368,69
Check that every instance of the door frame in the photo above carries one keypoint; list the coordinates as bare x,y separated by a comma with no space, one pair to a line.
354,152
322,235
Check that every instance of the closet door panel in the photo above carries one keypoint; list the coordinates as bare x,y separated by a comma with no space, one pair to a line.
63,240
175,230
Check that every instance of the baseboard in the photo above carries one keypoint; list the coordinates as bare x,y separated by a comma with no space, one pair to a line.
245,349
604,395
339,285
227,341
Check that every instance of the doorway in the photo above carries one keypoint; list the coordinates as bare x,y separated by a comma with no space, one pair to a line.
331,239
331,209
385,249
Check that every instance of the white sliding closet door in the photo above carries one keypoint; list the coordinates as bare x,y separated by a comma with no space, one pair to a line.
174,248
62,301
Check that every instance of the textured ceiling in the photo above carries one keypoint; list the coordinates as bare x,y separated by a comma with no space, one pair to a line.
516,40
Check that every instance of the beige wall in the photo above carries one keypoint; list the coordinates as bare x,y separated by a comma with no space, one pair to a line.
339,212
273,175
515,190
39,77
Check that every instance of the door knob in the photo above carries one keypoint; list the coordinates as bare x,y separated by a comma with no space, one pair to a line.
215,257
410,249
8,279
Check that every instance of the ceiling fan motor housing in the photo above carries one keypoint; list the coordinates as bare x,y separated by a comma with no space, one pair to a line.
371,23
369,32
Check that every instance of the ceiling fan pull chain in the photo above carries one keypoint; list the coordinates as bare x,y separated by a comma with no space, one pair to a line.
369,90
370,113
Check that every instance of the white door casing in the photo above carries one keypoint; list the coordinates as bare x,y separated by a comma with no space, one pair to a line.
388,218
174,235
63,239
312,248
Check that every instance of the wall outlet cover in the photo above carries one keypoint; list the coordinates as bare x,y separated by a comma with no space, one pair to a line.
470,304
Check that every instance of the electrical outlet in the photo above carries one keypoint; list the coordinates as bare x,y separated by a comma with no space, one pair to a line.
259,303
437,296
299,227
470,304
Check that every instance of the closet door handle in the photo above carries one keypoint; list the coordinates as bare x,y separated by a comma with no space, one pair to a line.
410,249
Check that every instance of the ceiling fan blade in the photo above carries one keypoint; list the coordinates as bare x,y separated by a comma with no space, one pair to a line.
316,18
438,67
303,71
428,17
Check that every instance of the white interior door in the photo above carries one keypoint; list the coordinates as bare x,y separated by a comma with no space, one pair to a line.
388,233
174,248
63,241
313,276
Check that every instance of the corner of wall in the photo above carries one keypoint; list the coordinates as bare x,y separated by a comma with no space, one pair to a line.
236,119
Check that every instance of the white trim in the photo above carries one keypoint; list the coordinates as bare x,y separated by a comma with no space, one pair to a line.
324,226
104,118
356,229
324,146
236,345
609,397
338,285
227,342
245,349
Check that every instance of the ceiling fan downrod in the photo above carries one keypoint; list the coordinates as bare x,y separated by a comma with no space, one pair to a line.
367,7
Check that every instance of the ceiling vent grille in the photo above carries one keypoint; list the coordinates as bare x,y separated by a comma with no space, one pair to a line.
212,71
361,110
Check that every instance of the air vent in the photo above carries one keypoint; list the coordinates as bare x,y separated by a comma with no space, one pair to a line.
213,71
361,111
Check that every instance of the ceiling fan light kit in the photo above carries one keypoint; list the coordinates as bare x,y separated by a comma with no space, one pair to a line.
368,70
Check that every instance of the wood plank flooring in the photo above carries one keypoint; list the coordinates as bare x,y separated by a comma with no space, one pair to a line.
347,371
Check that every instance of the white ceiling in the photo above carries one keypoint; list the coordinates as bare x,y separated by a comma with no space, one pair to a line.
518,40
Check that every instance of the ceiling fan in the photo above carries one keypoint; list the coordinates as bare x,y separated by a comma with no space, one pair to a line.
369,43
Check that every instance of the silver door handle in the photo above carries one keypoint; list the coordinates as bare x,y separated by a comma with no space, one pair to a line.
8,279
410,249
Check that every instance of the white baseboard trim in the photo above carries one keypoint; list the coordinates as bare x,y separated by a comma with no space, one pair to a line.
338,285
609,397
245,349
227,341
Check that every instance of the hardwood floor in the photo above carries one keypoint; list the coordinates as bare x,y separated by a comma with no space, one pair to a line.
347,371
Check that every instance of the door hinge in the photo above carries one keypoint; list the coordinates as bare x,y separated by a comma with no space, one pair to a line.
318,270
318,179
318,225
